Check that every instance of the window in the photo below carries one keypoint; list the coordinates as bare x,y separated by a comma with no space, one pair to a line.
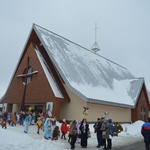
28,75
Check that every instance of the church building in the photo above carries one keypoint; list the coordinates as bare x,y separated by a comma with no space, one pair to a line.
57,76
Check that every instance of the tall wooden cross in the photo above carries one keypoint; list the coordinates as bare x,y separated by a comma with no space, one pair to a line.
28,73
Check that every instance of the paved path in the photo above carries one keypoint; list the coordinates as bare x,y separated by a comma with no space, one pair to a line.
135,146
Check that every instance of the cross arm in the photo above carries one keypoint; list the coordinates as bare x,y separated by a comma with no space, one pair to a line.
28,74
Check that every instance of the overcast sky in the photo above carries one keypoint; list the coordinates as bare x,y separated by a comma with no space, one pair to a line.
123,31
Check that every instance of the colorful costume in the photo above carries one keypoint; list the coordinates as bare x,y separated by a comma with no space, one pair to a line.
26,124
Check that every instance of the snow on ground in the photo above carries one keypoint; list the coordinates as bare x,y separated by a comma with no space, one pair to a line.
15,139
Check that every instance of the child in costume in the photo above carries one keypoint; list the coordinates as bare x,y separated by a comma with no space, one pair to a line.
64,129
4,123
26,124
39,125
47,129
56,133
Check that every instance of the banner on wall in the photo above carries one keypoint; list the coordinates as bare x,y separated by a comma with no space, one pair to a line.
49,109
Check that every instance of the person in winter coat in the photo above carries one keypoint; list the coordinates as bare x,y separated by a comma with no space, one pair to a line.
145,131
30,118
106,132
53,125
78,131
98,131
9,118
73,133
64,129
5,115
33,118
69,136
24,114
84,128
4,124
56,133
111,135
21,118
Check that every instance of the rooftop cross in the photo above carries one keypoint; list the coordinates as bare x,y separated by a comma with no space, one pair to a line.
95,47
95,32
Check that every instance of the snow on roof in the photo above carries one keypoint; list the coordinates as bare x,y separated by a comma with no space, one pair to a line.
87,74
49,75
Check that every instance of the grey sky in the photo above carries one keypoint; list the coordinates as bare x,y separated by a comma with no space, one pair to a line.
123,34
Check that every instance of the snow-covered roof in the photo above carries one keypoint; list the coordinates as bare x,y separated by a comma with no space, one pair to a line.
90,76
49,75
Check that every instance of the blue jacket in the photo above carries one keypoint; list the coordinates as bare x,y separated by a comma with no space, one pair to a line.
145,131
46,129
111,127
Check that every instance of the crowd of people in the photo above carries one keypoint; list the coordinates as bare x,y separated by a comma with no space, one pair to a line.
76,131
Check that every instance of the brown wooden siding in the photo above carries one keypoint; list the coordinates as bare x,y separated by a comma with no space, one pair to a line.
142,102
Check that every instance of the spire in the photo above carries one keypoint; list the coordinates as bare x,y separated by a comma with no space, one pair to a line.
95,46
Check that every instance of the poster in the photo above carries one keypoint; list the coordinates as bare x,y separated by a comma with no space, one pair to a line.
49,109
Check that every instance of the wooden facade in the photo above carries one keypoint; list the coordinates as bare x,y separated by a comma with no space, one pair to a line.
141,111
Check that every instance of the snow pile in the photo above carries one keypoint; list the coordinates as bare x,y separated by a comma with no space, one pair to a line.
132,129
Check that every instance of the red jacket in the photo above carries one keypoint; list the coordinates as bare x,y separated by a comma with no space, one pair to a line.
64,128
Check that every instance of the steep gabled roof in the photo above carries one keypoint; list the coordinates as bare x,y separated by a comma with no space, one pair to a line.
89,75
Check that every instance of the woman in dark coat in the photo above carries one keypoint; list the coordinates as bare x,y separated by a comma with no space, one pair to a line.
73,133
84,127
106,131
98,132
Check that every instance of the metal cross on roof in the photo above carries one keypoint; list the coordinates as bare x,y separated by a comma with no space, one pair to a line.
27,79
95,47
95,32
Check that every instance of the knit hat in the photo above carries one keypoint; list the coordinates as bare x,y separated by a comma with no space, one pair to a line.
110,120
64,120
